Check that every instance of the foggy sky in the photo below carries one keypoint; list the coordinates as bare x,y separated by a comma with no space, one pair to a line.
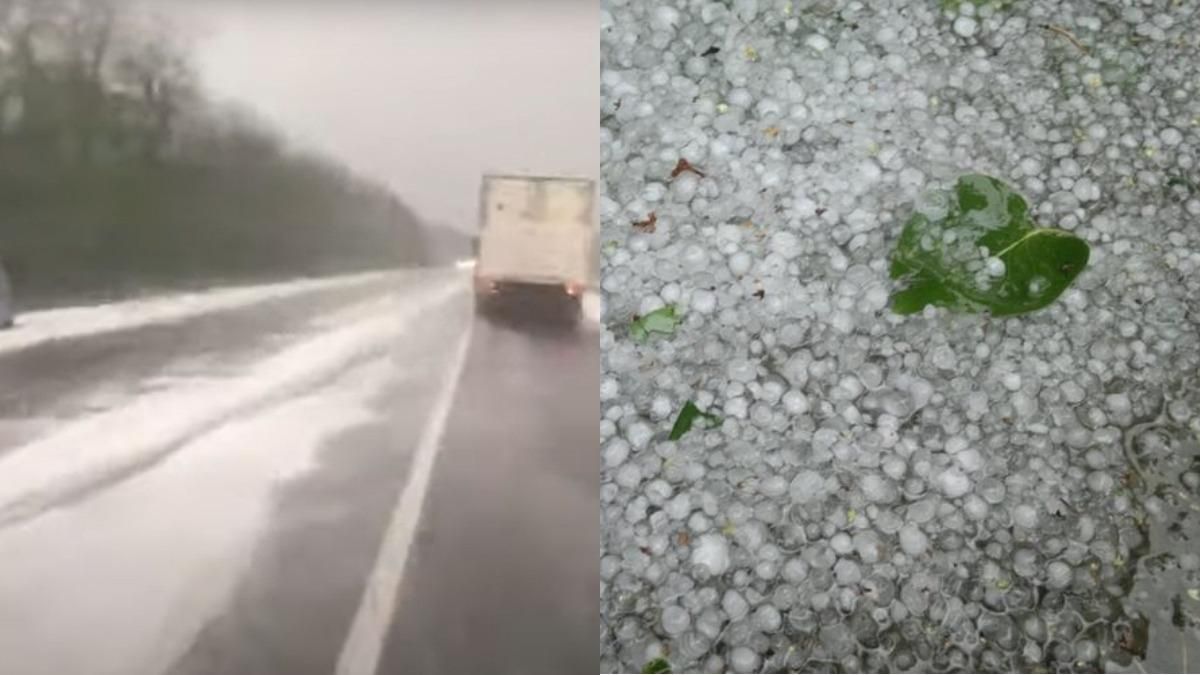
423,96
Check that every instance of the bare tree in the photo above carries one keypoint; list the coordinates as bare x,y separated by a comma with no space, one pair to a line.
162,78
88,73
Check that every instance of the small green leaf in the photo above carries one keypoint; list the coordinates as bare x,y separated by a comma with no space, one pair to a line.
941,254
1178,181
657,666
687,416
637,331
663,320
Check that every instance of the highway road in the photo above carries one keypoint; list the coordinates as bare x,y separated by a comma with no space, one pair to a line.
348,476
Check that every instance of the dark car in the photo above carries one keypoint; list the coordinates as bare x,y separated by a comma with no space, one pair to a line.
6,305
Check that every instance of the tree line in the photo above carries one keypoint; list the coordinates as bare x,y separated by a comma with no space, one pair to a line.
117,174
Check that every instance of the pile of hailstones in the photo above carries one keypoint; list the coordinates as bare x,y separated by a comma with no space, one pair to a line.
933,492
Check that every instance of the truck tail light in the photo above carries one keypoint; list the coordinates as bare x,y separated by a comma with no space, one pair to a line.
575,289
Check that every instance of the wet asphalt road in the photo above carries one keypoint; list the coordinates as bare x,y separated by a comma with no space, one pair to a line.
236,557
505,572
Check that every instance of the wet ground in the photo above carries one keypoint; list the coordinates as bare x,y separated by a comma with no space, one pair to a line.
249,547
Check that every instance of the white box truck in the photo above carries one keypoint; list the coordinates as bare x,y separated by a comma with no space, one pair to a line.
536,244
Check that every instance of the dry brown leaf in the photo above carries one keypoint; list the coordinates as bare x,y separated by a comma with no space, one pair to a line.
647,225
1066,34
683,165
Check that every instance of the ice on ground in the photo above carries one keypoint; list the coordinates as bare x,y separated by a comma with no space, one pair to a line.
76,322
712,552
820,128
91,450
129,587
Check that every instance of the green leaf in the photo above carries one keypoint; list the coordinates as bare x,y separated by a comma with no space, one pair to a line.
687,417
1178,181
663,320
657,666
940,259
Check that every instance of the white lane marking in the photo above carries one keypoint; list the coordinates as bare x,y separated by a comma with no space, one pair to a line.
361,652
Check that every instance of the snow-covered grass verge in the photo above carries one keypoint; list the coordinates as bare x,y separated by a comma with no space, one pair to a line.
156,558
923,493
36,327
113,444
